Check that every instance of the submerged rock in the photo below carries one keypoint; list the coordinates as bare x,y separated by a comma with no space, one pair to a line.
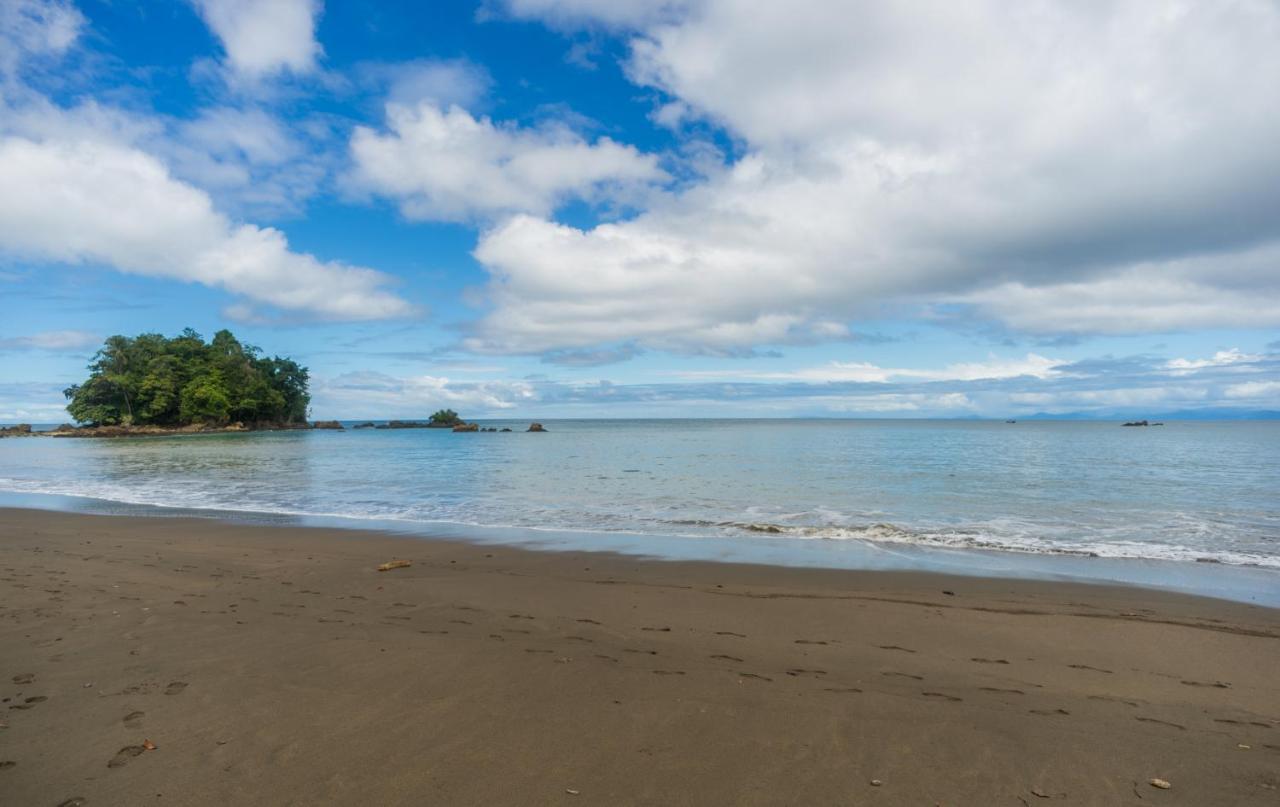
368,424
536,427
327,424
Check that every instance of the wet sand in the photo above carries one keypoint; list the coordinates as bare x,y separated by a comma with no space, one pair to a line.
275,666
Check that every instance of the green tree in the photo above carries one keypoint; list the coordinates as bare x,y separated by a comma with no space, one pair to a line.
150,379
446,417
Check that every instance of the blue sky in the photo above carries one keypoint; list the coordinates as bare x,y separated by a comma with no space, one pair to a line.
584,208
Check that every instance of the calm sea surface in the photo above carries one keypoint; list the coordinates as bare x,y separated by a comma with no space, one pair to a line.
1186,492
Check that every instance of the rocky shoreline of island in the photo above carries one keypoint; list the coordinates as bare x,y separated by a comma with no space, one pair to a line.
117,431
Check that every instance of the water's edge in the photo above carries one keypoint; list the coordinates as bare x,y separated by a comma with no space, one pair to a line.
1256,586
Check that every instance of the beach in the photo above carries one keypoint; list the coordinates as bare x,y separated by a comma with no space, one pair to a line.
276,665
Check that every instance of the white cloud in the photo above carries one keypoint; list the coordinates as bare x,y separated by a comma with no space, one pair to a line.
372,393
1059,167
35,28
264,37
1222,358
444,164
1030,366
104,203
51,340
1254,389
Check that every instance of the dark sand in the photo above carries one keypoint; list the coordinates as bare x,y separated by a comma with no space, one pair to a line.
275,666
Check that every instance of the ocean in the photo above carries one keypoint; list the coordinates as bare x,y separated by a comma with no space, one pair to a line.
1092,500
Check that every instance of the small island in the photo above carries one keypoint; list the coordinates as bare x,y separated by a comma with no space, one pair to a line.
150,383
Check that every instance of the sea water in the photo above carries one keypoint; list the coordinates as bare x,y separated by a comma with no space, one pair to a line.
973,494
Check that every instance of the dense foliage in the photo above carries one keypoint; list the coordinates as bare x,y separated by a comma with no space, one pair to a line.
446,417
151,380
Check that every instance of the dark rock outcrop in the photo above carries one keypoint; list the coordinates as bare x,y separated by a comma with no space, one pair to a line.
404,424
1137,423
327,424
506,430
368,424
536,427
466,427
20,430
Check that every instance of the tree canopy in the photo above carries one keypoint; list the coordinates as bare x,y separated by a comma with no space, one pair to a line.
153,380
446,417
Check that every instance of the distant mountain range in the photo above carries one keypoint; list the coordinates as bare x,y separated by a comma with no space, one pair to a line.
1219,413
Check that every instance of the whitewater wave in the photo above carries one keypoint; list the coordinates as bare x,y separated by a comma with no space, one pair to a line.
1000,536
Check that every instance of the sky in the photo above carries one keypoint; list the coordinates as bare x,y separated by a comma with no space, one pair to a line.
654,208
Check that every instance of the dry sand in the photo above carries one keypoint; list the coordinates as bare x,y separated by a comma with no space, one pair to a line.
274,666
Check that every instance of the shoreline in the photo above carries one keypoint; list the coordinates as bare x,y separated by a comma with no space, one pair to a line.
1249,584
275,665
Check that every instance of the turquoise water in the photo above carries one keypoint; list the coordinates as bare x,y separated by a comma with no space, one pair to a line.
1186,492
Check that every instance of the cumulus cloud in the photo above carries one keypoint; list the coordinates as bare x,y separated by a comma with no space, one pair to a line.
1031,366
441,163
365,392
1057,167
1255,389
265,37
51,340
102,203
36,28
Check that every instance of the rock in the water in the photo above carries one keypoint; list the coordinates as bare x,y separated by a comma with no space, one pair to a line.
327,424
22,429
536,427
368,424
466,427
506,430
1138,423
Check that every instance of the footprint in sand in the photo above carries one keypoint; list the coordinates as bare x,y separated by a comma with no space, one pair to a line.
731,633
649,652
809,641
537,650
723,657
434,632
658,630
24,678
1214,684
175,687
516,630
942,695
606,658
579,639
989,660
1161,723
125,754
796,673
1049,712
843,690
78,801
7,764
892,674
1113,700
1090,669
588,622
459,622
133,719
30,703
999,689
753,675
668,672
895,647
521,616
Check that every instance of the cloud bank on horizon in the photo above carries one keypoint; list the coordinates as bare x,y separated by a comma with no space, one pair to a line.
697,206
